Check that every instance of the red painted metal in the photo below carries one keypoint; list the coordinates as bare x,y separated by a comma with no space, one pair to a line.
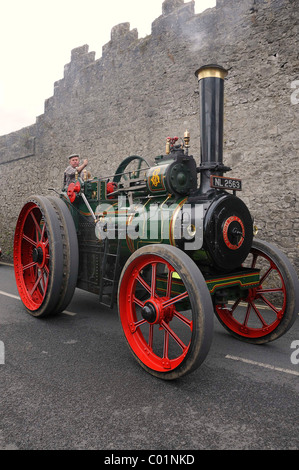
261,312
141,333
110,188
226,226
72,189
32,258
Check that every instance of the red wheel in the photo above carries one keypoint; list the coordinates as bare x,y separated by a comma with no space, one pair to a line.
266,312
40,252
166,311
70,252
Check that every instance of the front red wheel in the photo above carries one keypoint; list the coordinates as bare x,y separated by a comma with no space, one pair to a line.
266,312
165,310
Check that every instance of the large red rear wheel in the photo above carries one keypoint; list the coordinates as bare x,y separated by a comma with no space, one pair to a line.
165,310
70,252
42,258
266,312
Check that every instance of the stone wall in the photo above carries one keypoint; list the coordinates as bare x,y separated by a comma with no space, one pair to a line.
142,90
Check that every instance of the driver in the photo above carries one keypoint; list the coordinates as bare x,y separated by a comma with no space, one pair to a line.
74,165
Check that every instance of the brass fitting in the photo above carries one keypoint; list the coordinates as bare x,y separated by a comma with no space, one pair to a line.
207,71
186,138
167,146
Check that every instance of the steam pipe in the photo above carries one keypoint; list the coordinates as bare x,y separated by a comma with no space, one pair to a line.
211,88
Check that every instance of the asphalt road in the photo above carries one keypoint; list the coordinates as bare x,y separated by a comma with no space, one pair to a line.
70,382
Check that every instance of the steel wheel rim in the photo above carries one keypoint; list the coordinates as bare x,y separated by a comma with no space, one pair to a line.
32,257
264,305
149,321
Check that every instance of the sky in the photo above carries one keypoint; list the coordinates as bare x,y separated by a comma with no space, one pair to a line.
36,39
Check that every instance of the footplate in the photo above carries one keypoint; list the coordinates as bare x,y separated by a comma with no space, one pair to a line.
244,278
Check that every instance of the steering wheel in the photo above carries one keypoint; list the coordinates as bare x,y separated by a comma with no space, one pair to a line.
129,172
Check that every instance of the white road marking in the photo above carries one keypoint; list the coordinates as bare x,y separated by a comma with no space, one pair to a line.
18,298
261,364
9,295
69,313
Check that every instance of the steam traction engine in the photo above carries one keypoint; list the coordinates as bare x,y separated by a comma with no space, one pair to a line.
169,252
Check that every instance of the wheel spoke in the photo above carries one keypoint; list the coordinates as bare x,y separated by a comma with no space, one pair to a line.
37,226
247,314
28,239
174,299
151,336
46,273
138,323
183,319
154,277
259,315
42,280
169,282
42,285
173,335
36,284
143,283
166,344
138,302
234,306
254,259
267,291
266,275
251,306
29,265
267,302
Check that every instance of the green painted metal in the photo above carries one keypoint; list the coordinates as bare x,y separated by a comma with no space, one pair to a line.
151,217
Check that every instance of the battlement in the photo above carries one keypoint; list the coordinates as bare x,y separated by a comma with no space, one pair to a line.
169,6
121,38
177,15
80,58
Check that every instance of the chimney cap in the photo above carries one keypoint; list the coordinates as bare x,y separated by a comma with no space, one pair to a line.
211,70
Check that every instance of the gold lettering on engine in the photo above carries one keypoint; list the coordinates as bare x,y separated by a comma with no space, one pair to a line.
155,179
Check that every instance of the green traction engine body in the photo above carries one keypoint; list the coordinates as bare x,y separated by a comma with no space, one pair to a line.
160,202
169,241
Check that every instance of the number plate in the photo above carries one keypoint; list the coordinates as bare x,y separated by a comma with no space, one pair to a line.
221,182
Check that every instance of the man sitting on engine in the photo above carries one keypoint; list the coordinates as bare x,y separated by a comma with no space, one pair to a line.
74,165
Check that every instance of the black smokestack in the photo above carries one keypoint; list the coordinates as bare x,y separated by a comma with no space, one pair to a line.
211,88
